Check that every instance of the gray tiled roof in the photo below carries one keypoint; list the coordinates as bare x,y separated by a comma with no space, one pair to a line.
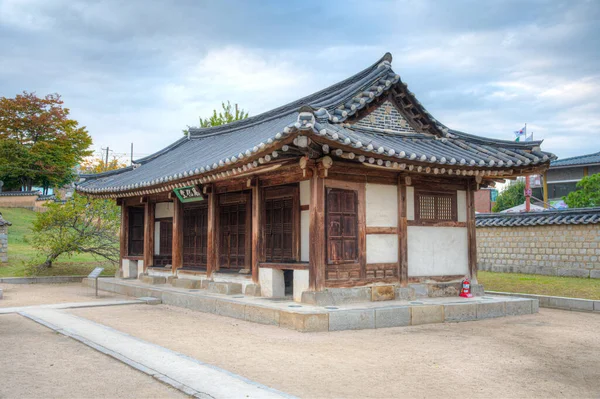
567,216
579,160
18,193
217,148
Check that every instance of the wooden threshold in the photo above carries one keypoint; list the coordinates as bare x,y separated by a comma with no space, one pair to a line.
285,266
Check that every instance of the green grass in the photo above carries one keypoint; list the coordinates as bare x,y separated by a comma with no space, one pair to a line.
20,252
587,288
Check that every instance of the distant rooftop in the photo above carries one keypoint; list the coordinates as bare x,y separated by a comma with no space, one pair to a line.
578,160
566,216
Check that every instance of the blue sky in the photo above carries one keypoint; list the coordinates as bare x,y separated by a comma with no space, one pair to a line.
141,71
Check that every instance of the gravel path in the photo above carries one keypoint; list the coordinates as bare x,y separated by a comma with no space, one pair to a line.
550,354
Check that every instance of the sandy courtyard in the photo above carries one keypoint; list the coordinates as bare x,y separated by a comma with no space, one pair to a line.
36,362
550,354
40,294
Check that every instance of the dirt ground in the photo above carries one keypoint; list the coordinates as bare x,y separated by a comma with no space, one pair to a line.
39,294
36,362
550,354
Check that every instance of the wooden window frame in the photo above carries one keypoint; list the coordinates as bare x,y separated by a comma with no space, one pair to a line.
452,222
277,192
129,227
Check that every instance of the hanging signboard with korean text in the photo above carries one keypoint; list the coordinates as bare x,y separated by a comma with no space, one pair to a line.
189,194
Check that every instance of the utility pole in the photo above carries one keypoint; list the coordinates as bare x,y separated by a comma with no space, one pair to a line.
106,161
131,153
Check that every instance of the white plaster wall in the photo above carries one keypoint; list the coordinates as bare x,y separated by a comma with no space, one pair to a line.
156,238
461,205
382,205
272,284
410,203
301,284
437,251
382,248
305,221
305,192
163,210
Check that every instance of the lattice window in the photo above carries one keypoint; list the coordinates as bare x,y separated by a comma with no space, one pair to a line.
435,207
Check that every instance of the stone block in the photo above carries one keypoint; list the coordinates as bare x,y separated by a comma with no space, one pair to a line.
148,300
343,296
517,307
262,315
252,290
421,290
392,317
318,298
300,284
170,279
154,280
304,322
571,303
477,289
204,284
1,293
383,293
444,289
535,306
353,319
427,314
573,273
193,302
596,306
186,283
456,312
230,309
225,288
486,310
405,294
272,284
594,273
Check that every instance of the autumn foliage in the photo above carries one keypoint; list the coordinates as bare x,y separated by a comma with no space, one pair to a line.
39,144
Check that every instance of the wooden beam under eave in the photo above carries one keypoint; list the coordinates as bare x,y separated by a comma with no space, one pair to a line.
149,212
402,234
177,257
471,233
317,232
211,233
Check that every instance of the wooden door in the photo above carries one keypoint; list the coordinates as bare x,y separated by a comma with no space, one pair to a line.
195,229
136,231
165,243
279,229
232,236
342,226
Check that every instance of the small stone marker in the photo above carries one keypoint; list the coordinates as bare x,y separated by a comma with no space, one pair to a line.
95,274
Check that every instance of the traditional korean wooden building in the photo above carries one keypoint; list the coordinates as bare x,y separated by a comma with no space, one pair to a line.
354,185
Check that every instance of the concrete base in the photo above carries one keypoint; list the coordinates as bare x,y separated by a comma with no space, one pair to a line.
271,281
363,314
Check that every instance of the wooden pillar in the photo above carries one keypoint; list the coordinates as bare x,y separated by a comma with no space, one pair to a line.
585,171
257,230
545,183
402,234
318,243
123,234
148,234
211,233
471,232
177,258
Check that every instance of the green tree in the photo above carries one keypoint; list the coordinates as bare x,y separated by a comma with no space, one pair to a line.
81,225
512,195
39,144
587,193
230,113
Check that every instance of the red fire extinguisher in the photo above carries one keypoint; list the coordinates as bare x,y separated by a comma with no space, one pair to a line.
466,289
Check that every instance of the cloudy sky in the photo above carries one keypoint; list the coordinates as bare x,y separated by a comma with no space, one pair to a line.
141,71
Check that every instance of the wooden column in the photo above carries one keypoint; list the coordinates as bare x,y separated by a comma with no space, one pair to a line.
318,243
257,230
177,258
402,234
211,233
123,234
545,183
471,233
148,234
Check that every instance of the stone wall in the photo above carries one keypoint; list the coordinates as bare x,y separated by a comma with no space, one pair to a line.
557,249
3,243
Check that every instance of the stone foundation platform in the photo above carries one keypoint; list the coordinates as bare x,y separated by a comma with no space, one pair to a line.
312,318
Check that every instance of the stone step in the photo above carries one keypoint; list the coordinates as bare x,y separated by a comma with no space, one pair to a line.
225,288
154,280
186,283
